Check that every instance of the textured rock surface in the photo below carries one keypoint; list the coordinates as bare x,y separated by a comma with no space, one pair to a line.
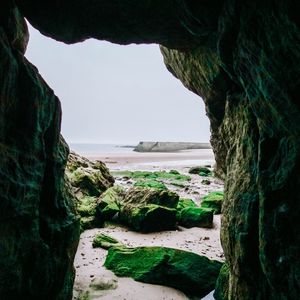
148,209
39,231
88,180
189,272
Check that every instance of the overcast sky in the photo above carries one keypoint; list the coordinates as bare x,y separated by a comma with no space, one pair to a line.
117,94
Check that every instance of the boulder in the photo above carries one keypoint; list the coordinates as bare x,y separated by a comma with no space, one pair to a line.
195,217
193,274
109,203
202,171
147,209
88,177
105,241
222,284
213,201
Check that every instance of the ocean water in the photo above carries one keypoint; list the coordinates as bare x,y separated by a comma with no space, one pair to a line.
96,149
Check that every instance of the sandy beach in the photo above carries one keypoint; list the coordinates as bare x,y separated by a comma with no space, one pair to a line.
89,261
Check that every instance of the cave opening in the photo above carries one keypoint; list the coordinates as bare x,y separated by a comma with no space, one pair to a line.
124,93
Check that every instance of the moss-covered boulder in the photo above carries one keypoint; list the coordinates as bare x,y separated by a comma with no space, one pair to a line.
87,177
213,201
195,217
105,241
148,209
202,171
222,284
191,273
88,180
109,203
87,209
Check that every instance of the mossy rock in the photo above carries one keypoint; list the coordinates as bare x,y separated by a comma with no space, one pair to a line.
147,209
87,206
214,201
109,203
222,284
195,217
158,175
185,202
202,171
191,273
87,178
151,184
105,241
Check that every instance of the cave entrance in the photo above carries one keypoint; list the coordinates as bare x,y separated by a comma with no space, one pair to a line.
116,95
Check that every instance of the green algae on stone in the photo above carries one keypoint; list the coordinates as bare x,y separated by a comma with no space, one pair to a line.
150,184
87,177
147,209
185,202
109,203
203,171
213,201
157,175
195,217
222,288
105,241
191,273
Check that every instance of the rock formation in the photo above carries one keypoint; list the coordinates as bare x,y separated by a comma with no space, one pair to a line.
241,57
39,230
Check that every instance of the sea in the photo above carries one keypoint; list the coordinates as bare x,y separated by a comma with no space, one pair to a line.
87,149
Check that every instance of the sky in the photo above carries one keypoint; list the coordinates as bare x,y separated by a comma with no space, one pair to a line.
117,94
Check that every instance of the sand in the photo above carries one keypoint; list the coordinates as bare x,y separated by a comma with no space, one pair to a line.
89,261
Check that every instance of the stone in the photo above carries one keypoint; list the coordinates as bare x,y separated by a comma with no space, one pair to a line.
213,201
109,203
193,274
202,171
206,182
87,177
105,241
195,217
222,288
39,226
147,209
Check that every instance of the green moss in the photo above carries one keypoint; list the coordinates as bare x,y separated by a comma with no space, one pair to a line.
184,202
153,175
213,201
151,184
202,171
195,217
105,241
186,271
151,217
87,206
148,209
87,223
110,202
222,284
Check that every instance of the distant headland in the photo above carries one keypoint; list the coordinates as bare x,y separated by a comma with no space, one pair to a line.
169,146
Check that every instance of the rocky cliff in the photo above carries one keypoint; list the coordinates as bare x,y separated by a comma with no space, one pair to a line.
241,57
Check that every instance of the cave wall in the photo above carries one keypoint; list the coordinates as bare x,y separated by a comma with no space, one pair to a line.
241,57
39,231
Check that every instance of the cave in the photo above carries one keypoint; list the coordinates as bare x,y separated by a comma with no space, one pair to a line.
241,57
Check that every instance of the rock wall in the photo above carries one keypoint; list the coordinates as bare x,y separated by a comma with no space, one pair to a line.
38,229
241,57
